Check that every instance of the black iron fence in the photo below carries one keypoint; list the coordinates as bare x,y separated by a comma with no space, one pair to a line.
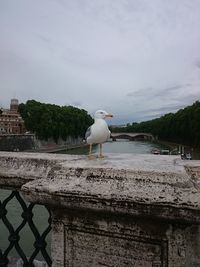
27,219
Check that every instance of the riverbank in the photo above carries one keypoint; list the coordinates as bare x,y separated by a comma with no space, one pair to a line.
175,147
55,149
30,143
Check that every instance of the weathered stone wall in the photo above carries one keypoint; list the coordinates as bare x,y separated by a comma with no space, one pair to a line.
28,142
17,142
95,239
124,210
51,143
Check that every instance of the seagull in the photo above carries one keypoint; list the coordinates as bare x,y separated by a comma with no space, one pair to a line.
98,132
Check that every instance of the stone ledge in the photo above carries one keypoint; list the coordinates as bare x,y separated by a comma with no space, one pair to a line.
19,168
144,185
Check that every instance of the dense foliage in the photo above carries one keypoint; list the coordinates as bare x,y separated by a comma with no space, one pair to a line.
181,127
47,120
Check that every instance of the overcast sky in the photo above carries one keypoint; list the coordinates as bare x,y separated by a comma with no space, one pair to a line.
138,59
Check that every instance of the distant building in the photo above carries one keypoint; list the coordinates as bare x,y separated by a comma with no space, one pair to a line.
10,120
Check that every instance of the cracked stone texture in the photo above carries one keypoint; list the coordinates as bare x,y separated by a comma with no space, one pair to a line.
163,185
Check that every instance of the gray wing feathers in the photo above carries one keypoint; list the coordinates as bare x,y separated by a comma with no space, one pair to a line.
88,133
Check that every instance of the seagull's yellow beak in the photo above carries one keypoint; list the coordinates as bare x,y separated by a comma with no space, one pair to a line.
109,115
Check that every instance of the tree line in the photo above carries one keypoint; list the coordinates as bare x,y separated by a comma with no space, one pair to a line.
181,127
53,121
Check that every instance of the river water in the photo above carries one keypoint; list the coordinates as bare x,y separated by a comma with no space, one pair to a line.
41,215
135,147
120,146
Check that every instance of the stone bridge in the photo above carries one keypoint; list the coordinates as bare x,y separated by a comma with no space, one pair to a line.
132,136
121,211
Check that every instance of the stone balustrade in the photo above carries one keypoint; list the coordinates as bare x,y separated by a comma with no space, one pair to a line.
124,210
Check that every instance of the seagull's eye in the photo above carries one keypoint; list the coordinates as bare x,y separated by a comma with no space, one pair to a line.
101,112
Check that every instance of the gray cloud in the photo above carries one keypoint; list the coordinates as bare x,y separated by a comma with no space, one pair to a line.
43,38
167,109
170,89
198,63
157,92
136,58
141,92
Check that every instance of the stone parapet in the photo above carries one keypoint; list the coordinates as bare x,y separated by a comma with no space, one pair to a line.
124,210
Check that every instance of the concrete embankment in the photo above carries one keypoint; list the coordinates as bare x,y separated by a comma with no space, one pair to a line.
29,142
181,148
59,148
17,142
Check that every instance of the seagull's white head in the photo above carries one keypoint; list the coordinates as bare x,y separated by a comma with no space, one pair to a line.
101,114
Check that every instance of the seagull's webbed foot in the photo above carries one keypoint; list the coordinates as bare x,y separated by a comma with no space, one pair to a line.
90,157
101,156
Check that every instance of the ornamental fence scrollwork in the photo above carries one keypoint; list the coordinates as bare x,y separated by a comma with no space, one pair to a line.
27,215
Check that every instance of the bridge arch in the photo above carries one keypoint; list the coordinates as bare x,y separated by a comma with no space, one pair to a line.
132,136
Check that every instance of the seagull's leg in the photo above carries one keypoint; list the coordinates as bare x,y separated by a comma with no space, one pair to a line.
100,154
90,156
90,150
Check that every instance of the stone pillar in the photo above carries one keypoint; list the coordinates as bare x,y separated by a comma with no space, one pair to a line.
124,210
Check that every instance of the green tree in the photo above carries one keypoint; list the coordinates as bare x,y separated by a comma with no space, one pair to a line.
181,127
48,120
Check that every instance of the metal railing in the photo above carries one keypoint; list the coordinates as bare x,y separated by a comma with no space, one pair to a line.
39,244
